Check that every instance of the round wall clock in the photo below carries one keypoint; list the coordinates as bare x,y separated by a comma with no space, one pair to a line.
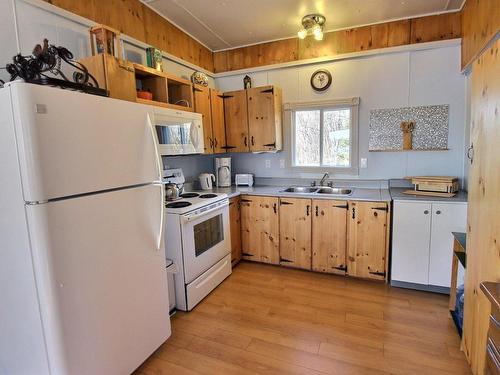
321,80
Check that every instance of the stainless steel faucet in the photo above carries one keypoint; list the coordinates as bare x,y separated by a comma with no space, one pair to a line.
325,176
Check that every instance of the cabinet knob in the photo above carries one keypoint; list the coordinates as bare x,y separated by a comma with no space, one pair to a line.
438,212
426,212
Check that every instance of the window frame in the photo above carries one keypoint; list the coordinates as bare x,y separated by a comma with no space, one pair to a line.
353,105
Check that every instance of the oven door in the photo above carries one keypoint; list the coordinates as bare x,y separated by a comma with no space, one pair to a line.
179,135
205,239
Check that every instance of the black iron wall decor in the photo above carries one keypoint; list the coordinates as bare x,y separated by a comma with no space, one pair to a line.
247,83
44,66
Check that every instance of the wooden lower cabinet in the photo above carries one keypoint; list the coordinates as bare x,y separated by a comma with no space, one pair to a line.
235,225
322,235
329,236
367,239
260,229
295,233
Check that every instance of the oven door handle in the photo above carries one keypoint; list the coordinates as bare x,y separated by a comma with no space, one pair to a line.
188,218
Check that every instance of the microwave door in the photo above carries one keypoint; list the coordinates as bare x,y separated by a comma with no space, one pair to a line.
194,132
170,138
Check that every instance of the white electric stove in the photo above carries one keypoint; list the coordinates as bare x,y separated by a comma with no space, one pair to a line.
197,239
192,201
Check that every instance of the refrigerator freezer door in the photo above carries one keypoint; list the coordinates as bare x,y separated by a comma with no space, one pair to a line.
102,280
71,143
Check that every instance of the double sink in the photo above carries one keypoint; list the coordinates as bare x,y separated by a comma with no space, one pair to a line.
318,190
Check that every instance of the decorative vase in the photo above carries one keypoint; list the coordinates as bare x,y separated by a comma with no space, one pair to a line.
199,78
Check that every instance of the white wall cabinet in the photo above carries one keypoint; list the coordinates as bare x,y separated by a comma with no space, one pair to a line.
422,243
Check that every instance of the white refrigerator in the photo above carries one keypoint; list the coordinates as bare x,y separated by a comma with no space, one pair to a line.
83,284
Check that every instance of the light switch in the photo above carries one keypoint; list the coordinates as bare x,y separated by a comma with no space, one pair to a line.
268,163
282,163
363,163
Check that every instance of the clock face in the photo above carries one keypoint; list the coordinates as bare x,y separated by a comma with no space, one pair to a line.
321,80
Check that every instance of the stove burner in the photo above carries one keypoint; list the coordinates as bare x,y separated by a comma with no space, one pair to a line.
190,195
178,204
208,195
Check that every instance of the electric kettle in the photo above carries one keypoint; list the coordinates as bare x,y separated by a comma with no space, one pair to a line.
206,180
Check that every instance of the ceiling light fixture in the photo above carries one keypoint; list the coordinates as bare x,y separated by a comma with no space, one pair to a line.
312,24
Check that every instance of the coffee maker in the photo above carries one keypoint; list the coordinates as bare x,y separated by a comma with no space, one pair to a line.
223,172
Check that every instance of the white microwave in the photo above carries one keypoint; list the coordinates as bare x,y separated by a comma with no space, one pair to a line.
178,132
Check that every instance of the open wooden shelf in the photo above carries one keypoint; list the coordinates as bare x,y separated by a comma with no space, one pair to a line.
164,105
168,90
180,91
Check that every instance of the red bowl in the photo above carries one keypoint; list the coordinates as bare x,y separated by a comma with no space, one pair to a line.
144,95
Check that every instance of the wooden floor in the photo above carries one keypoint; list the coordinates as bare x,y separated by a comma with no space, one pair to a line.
271,320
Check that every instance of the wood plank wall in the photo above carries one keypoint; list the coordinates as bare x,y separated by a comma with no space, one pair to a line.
483,219
140,22
135,19
390,34
480,22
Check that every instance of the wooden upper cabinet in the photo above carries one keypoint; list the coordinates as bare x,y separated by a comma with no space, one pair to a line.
295,233
367,239
235,223
329,236
202,105
264,118
260,229
115,75
218,125
236,118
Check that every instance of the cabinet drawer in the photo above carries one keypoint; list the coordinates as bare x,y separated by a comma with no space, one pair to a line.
208,281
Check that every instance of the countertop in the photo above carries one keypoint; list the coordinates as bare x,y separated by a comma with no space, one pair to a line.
397,195
358,194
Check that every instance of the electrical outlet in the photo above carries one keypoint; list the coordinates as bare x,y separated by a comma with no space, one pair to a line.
282,163
363,163
268,163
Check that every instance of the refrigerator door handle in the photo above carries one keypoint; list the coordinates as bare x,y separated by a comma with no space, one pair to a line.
157,152
159,181
162,215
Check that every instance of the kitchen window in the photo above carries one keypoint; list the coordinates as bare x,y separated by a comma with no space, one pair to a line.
324,135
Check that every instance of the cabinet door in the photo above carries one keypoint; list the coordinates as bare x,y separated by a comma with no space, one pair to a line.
446,218
260,229
411,235
235,223
115,75
236,118
367,241
202,105
218,127
264,118
329,236
295,233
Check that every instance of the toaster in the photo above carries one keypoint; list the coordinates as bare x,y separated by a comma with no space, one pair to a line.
245,179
